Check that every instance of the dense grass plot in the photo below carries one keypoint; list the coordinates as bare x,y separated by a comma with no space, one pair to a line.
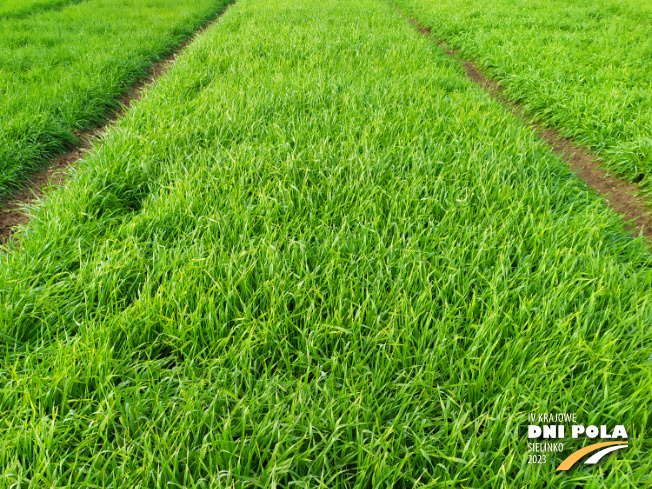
23,8
583,66
316,255
61,70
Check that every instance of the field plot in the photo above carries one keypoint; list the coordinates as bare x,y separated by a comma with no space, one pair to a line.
23,8
60,71
583,67
316,255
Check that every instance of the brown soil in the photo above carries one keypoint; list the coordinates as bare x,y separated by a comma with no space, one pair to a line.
13,209
423,30
622,196
12,214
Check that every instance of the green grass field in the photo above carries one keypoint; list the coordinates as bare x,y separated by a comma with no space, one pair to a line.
317,255
23,8
583,67
61,71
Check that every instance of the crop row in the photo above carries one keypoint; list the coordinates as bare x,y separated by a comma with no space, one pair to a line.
61,70
583,68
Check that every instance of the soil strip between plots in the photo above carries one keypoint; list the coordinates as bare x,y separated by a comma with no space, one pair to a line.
622,196
12,209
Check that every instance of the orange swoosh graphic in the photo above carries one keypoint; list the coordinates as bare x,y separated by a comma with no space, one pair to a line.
574,457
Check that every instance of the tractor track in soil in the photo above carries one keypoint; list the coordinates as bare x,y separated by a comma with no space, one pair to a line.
622,196
14,208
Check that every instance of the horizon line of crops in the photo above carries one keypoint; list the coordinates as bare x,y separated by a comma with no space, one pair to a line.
315,254
62,71
583,68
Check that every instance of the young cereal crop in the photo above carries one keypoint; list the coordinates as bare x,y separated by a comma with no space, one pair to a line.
316,255
61,71
581,66
23,8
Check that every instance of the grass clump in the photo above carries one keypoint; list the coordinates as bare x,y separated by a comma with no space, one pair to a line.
316,255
